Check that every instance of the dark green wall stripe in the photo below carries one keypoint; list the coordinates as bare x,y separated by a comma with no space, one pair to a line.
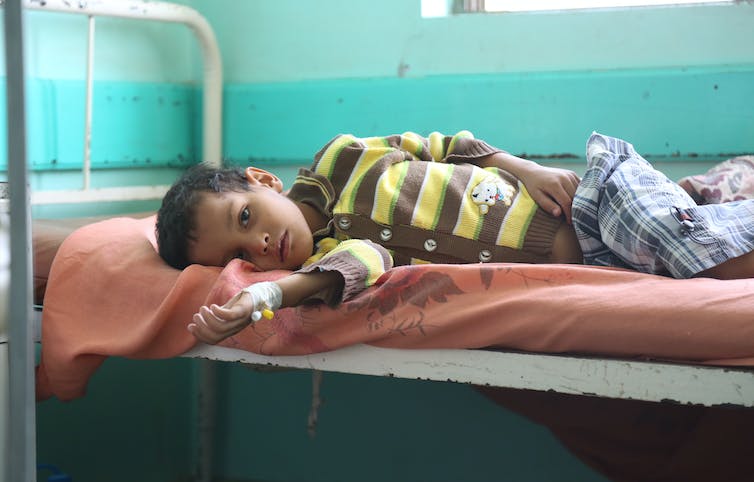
134,124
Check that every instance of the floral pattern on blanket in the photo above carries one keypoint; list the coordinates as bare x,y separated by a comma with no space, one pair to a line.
732,180
440,306
414,288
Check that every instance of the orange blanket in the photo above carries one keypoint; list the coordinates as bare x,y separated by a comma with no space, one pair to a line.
109,294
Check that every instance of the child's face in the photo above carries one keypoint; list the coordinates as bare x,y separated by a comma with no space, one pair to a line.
261,226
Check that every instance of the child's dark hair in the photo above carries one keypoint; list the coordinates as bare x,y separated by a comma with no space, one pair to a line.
176,217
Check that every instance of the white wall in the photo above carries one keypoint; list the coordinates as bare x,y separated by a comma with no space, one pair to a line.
292,40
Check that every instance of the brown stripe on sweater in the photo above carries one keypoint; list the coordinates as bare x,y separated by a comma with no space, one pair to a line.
314,190
409,194
445,145
466,149
366,192
454,195
345,164
541,233
492,221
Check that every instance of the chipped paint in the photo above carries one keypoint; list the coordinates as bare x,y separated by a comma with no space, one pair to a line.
630,380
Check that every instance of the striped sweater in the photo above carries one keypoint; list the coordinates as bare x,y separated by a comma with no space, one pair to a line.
425,200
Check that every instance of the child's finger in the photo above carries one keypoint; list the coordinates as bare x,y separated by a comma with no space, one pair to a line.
557,201
228,314
201,331
209,329
220,324
564,200
546,203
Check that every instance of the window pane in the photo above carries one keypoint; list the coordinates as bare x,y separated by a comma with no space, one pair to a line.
529,5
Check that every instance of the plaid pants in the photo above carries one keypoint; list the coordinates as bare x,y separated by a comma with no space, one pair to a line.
627,214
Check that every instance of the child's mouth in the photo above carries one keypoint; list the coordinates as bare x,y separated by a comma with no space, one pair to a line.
284,247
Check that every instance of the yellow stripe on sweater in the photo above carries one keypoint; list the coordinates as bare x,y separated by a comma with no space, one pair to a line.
326,163
413,143
460,135
432,195
387,193
470,220
436,146
517,220
369,257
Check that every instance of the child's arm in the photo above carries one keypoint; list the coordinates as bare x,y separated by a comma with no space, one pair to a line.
341,273
551,188
214,323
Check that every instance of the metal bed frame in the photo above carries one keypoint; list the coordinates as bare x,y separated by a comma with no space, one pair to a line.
23,322
604,377
638,380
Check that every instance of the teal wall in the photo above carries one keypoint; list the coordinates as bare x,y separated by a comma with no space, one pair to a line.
538,115
532,83
297,40
135,124
377,429
678,82
137,422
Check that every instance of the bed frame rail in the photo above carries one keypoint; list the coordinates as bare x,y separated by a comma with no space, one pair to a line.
19,460
212,95
612,378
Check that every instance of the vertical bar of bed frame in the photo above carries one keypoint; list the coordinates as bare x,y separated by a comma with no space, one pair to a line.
22,409
212,86
87,169
171,13
211,150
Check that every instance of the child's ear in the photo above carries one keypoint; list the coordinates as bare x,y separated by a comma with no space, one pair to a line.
260,177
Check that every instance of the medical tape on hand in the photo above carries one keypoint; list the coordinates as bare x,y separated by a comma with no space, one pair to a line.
266,295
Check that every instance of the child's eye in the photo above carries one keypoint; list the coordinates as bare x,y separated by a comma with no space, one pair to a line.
244,217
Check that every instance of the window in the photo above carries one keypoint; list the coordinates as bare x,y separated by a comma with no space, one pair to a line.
538,5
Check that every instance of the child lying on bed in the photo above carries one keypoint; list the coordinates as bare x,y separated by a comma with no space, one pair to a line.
367,204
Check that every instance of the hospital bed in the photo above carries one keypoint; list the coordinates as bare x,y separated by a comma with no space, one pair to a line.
602,342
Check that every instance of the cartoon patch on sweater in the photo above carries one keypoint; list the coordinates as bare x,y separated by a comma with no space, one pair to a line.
489,191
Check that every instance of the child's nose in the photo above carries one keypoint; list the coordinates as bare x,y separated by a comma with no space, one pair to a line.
263,243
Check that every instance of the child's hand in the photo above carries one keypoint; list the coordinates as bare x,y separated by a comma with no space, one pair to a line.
551,188
215,323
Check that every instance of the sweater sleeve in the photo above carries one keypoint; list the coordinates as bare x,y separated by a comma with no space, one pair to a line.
462,147
360,262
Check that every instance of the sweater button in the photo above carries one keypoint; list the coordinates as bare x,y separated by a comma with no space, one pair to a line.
430,245
386,234
485,255
344,223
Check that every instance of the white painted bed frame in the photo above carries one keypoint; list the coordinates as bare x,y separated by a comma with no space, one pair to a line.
650,381
612,378
623,379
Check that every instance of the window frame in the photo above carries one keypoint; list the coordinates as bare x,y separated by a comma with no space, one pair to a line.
480,6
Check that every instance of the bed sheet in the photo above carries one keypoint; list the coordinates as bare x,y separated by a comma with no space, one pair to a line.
109,294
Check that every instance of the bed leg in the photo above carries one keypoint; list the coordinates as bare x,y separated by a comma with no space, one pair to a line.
206,415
